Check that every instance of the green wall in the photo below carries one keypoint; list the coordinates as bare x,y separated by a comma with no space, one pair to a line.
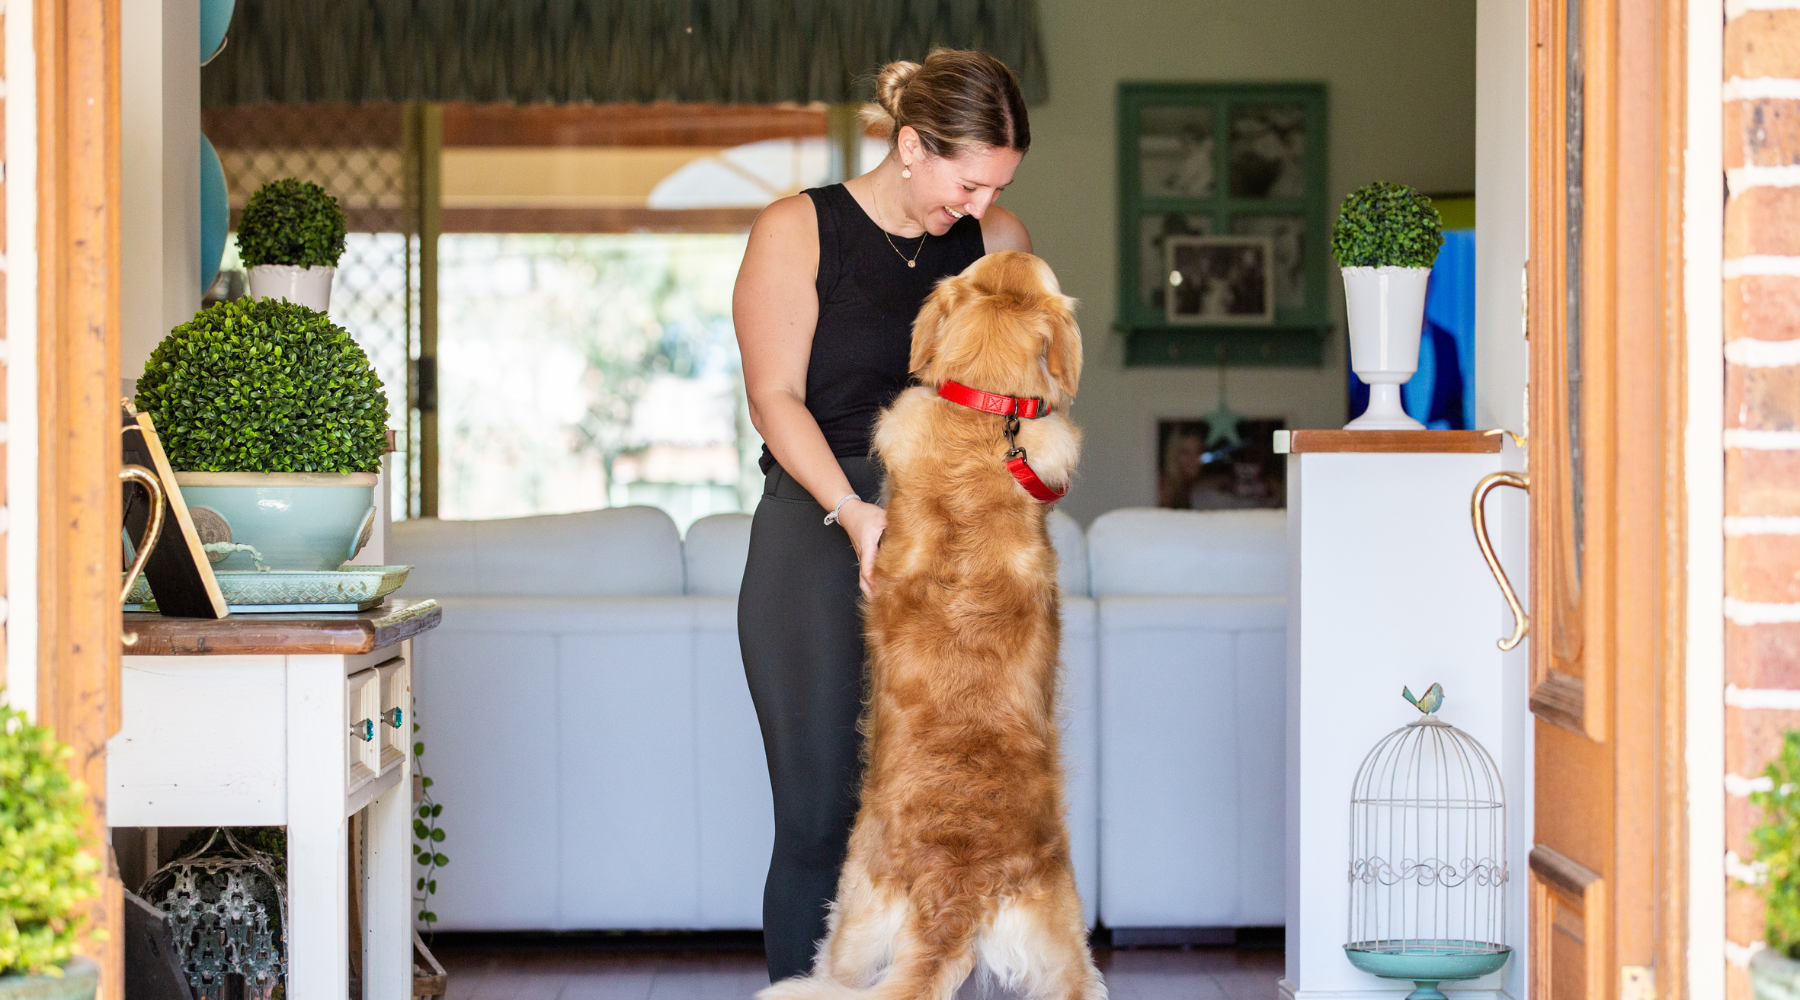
1401,80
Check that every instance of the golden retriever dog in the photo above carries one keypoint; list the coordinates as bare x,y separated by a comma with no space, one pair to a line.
960,855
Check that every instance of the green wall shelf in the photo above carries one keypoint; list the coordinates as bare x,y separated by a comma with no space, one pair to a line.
1236,347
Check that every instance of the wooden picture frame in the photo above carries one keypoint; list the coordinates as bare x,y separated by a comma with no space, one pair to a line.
178,569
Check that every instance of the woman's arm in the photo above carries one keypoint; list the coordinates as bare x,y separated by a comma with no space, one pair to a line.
775,308
1002,230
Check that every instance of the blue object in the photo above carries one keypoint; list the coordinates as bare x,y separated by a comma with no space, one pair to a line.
215,214
1427,962
1441,394
294,526
215,17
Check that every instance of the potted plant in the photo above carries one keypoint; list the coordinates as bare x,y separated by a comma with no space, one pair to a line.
290,237
1386,238
45,873
275,422
1775,856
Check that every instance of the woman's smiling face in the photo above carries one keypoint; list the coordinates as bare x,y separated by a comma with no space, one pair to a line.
943,189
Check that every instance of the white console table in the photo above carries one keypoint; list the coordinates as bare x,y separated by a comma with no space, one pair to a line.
259,720
1387,588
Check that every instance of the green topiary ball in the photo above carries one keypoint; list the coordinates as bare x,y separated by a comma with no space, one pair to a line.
294,222
1387,225
264,385
44,872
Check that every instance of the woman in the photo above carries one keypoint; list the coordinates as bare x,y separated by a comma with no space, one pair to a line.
831,282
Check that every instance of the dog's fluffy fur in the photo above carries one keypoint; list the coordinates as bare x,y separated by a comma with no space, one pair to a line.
960,855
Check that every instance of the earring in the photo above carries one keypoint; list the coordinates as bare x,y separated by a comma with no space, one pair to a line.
906,172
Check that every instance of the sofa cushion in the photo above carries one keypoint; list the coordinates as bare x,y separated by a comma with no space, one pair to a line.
1071,554
714,554
1151,551
1201,612
619,551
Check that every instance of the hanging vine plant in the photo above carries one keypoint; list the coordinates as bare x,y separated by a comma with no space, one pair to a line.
428,836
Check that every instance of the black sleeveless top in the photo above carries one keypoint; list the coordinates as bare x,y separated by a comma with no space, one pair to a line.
868,299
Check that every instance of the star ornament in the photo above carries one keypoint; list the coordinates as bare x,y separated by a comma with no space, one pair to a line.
1222,425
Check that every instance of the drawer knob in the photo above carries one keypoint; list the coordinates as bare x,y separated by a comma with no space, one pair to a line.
394,717
364,730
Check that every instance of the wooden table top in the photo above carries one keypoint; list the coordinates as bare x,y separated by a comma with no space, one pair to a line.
1410,442
341,632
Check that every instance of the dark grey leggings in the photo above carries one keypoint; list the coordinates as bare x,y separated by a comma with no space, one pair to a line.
801,634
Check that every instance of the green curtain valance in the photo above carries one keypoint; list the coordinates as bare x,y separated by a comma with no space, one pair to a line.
601,51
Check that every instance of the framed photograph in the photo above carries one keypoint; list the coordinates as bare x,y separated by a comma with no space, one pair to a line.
1219,280
1192,474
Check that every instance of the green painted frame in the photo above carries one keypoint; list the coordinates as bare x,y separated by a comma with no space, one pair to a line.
1297,337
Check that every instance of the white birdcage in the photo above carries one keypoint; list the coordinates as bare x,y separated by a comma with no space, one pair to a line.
1428,862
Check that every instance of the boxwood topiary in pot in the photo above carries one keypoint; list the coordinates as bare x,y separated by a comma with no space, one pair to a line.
46,875
291,237
275,423
1386,238
1775,857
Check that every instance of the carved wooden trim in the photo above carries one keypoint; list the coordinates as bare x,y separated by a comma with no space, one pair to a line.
1561,872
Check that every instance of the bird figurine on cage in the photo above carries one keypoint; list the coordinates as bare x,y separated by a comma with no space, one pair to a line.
1428,867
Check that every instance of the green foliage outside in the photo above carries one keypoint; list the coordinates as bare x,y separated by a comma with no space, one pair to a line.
428,837
294,222
1386,225
264,385
45,874
1775,845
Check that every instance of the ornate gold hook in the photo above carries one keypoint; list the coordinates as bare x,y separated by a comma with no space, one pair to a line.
152,529
1478,514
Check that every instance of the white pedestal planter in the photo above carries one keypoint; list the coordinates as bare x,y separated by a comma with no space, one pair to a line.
1386,311
307,286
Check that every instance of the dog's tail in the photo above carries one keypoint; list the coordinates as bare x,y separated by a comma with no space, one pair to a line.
922,970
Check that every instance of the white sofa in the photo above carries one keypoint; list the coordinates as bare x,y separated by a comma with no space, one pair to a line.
589,731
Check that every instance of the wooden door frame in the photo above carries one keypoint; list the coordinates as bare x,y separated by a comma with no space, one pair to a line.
76,44
1628,706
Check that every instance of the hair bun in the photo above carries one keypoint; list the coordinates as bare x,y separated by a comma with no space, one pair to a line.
890,83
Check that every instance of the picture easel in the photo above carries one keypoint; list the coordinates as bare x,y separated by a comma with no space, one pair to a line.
179,572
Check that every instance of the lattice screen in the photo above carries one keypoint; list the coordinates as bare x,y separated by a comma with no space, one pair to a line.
360,154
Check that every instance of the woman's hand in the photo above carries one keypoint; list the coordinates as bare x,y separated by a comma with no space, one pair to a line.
864,522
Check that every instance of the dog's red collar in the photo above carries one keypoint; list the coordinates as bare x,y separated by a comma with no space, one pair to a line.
1012,408
1026,407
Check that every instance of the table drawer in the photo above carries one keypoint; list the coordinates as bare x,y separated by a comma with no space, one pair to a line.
362,697
396,712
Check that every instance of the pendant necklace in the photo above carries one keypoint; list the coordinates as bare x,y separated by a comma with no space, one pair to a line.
914,262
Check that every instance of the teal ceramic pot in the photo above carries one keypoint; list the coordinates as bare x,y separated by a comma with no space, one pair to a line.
79,981
296,520
1774,976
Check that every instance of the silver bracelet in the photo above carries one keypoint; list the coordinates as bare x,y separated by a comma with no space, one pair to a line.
832,518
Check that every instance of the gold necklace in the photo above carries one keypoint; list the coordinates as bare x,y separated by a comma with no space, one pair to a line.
914,262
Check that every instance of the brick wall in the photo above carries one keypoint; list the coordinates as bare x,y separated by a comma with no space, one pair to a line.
1762,421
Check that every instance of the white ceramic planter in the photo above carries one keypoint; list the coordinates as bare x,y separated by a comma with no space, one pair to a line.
1386,310
307,286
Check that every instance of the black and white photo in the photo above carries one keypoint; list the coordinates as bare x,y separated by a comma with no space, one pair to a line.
1220,280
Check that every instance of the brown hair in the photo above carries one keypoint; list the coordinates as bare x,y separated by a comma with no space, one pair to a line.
956,99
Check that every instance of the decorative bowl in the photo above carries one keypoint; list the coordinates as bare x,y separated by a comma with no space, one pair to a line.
295,520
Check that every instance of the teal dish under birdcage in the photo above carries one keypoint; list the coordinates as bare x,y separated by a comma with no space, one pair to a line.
1428,868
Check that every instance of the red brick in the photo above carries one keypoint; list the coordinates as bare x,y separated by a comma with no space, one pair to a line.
1743,913
1762,133
1763,43
1737,983
1764,399
1766,307
1762,483
1740,818
1763,568
1753,737
1763,656
1764,220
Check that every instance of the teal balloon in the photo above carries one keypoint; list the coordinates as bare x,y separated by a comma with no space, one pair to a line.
215,214
215,17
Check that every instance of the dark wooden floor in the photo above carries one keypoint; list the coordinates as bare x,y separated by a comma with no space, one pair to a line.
496,971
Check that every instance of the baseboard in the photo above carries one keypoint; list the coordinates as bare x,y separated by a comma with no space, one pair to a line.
1291,992
1202,937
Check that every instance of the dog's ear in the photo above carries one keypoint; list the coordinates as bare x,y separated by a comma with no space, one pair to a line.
1063,355
928,327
